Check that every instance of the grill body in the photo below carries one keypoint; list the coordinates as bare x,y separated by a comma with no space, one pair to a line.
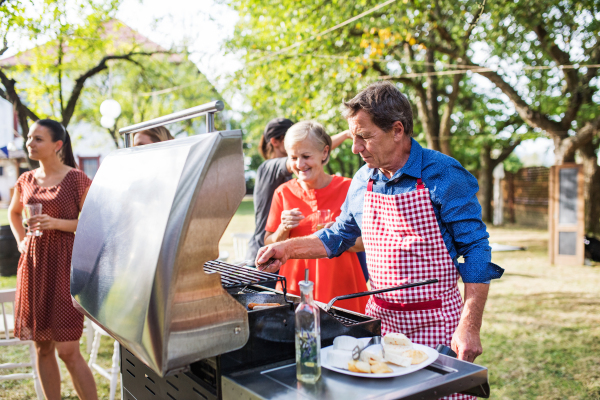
153,216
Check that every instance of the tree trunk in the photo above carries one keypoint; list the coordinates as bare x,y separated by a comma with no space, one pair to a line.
433,109
510,196
591,190
486,183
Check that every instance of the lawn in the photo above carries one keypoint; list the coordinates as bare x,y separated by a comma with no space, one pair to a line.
3,216
541,331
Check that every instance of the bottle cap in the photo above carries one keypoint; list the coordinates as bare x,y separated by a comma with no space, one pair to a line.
305,285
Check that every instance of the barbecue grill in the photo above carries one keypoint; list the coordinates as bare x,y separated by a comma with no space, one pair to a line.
143,269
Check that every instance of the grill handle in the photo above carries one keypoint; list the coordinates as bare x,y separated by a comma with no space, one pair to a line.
368,293
209,109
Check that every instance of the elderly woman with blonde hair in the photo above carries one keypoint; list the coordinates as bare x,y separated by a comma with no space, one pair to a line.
294,213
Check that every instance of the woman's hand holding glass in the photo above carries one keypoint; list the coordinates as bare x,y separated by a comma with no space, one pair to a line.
290,219
42,222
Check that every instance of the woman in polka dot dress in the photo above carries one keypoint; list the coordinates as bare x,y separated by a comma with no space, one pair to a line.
44,312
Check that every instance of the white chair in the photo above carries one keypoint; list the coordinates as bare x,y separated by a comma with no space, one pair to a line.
7,323
240,246
89,334
113,373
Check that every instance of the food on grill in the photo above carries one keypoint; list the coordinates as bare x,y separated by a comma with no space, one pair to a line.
417,356
396,356
371,355
339,358
397,339
380,368
261,306
346,343
359,366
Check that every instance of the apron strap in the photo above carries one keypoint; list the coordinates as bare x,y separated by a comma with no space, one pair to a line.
420,185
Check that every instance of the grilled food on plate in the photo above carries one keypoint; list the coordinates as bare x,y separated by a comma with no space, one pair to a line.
346,343
359,366
381,368
372,355
339,358
397,339
397,349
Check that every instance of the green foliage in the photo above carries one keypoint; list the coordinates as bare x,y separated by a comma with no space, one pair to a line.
78,36
561,32
311,80
89,56
512,164
151,87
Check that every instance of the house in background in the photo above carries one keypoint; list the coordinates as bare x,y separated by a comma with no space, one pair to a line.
91,142
12,155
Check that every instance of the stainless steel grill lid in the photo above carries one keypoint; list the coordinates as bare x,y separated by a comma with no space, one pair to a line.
153,216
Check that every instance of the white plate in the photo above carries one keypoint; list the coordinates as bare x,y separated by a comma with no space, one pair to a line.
432,355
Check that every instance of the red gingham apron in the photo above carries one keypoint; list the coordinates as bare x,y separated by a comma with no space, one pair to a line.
403,244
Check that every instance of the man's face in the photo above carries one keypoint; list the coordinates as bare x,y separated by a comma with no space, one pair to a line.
375,146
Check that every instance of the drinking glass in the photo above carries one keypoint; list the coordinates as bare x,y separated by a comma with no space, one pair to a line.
323,217
30,211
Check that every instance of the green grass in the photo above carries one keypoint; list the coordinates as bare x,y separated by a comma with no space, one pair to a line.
3,216
243,221
541,331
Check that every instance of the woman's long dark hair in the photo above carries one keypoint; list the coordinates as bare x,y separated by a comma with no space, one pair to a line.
265,148
60,133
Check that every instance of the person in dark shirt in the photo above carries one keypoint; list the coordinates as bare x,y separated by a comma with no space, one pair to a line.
275,171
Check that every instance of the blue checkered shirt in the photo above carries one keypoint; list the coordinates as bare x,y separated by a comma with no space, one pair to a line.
453,195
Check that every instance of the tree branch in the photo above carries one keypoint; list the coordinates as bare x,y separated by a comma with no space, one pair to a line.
446,122
473,23
13,97
4,43
559,56
101,66
507,151
530,116
583,137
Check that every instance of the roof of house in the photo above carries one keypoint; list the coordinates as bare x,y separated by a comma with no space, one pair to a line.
123,35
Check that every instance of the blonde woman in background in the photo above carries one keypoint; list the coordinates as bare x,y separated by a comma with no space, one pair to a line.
152,135
294,212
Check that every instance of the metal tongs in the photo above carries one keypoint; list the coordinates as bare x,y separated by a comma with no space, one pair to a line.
390,289
356,351
263,266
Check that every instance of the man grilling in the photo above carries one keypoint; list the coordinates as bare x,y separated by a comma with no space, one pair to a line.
417,212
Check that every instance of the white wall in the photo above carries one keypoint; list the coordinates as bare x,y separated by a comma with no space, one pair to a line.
90,140
8,178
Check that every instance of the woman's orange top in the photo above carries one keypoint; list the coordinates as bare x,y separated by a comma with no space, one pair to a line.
335,277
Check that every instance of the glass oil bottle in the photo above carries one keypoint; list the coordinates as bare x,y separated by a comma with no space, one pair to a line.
308,335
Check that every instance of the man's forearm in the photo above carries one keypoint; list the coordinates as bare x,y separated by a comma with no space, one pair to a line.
305,247
466,340
475,298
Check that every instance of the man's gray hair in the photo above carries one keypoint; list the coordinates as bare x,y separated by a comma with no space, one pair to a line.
385,104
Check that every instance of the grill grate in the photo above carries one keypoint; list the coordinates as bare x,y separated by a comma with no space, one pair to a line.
234,276
344,320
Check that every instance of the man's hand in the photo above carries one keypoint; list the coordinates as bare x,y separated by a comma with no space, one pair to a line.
466,342
302,247
276,251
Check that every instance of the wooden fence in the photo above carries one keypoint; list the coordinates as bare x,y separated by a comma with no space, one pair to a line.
526,197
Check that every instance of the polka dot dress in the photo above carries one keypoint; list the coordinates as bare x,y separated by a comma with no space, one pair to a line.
44,310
